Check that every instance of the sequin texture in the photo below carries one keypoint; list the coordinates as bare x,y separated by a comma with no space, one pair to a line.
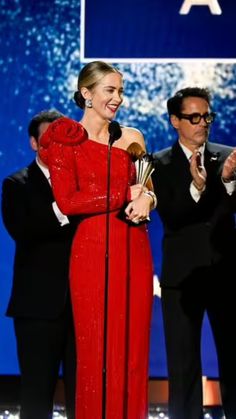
79,179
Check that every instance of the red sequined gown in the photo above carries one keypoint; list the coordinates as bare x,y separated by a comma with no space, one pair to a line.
78,167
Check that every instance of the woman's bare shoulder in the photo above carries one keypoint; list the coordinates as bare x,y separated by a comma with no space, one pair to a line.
131,135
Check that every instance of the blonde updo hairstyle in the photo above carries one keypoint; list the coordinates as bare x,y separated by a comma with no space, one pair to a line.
90,76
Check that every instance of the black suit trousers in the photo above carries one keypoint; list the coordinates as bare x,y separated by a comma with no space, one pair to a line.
183,311
42,346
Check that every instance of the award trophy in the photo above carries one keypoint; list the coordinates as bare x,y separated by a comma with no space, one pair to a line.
143,164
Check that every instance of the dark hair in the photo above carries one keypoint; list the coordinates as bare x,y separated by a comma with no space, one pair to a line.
89,77
175,103
38,119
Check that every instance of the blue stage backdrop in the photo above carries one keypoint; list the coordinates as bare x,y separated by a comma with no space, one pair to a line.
153,29
44,44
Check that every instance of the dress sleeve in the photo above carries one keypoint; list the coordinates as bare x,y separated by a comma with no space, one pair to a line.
71,199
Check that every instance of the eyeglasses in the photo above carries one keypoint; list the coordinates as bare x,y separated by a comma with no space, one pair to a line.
195,118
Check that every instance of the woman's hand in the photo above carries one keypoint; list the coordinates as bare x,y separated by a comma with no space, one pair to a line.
139,209
136,191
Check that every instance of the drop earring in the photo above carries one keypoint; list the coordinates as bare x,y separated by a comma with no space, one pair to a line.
88,103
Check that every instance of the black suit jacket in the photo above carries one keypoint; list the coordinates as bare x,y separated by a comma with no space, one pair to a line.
195,234
40,283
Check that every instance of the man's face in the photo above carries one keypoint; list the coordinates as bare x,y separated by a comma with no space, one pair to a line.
192,135
35,143
43,127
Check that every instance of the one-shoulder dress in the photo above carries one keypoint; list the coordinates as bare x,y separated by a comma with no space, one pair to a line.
78,168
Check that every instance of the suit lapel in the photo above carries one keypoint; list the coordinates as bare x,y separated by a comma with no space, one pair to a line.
39,180
212,159
180,165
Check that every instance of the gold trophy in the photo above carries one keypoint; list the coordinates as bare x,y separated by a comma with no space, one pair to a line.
143,163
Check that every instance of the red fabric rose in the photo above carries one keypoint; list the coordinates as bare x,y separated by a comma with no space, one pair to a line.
65,131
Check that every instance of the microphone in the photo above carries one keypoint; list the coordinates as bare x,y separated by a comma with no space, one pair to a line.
114,131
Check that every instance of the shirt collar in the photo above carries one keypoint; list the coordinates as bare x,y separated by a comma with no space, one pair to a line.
43,168
188,153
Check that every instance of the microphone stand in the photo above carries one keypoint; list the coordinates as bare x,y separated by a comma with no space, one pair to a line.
104,370
114,134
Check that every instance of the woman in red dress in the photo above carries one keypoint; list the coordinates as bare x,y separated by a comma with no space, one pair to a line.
111,291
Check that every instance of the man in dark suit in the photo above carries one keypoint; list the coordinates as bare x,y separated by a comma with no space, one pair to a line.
40,298
195,194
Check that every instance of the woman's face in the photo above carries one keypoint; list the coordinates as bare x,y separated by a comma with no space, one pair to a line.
107,96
